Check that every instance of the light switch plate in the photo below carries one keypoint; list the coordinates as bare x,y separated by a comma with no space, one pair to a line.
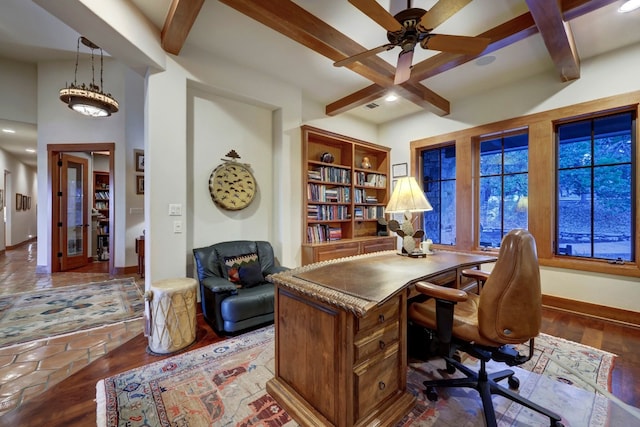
175,209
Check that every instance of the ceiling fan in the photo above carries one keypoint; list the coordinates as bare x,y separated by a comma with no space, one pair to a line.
413,26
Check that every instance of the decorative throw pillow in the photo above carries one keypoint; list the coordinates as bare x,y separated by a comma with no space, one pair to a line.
244,270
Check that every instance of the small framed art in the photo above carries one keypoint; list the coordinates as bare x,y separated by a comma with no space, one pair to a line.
140,184
139,159
18,201
399,169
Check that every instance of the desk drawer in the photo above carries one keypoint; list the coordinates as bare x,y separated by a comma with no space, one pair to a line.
377,341
380,316
377,381
336,251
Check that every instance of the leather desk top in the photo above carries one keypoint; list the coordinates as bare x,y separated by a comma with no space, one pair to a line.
361,282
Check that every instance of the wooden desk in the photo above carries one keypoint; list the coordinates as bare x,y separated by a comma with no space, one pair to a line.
341,336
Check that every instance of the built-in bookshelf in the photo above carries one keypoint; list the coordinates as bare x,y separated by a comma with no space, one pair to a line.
101,205
347,188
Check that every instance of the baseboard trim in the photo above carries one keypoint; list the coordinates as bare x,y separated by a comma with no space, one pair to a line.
594,310
25,242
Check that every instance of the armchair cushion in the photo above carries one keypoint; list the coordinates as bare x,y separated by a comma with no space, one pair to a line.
244,270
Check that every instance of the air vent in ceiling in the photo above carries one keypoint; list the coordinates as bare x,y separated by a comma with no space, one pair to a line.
372,106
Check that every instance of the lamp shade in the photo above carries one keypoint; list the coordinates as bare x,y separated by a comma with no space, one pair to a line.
408,196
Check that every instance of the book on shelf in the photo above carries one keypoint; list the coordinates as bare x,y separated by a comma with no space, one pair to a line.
330,174
318,233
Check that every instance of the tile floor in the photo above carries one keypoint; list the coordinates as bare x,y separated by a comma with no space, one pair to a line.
28,369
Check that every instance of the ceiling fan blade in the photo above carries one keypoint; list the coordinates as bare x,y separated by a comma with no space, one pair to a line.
362,55
440,12
455,44
375,11
403,70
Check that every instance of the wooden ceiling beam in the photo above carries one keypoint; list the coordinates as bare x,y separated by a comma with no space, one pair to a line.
413,92
557,37
503,35
356,99
294,22
180,18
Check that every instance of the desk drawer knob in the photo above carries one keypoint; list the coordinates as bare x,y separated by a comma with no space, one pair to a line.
381,318
382,385
382,345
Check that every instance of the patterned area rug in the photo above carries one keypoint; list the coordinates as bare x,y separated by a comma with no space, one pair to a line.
224,385
40,314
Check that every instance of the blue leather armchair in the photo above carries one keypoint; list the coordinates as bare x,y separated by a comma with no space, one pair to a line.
231,307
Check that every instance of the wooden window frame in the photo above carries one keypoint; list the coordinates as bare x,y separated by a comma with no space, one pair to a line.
542,179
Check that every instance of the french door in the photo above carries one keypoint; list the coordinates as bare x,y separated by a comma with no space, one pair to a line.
74,211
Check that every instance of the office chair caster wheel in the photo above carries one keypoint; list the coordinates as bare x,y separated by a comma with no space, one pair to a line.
514,384
556,424
431,393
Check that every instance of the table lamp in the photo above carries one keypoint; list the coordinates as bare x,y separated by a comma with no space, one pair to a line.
407,198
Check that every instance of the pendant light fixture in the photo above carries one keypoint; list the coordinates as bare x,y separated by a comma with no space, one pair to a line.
89,100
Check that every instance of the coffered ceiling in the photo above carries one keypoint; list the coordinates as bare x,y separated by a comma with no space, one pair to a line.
299,41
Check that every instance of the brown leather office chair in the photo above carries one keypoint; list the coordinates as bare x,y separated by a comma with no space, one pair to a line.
507,311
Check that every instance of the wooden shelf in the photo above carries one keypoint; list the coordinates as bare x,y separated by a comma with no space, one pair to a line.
338,220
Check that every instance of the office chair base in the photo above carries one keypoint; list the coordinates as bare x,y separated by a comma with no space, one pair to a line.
487,385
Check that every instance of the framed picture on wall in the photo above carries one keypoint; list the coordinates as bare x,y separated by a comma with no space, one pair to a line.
140,184
1,199
24,202
139,159
18,201
29,202
399,169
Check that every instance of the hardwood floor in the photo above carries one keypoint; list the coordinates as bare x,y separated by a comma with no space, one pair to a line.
71,402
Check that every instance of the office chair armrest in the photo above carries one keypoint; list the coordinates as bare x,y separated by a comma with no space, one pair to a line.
480,276
441,292
476,274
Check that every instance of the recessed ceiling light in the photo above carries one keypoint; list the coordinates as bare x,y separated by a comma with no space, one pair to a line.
391,97
29,150
8,131
629,6
485,60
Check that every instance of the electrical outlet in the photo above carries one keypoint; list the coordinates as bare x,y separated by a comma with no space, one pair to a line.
177,226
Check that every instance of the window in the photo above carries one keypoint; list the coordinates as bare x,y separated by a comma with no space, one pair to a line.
595,188
504,165
439,172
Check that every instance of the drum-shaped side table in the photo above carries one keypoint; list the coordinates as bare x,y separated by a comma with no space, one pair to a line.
172,304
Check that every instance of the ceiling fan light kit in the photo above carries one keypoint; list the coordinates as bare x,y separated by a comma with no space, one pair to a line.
411,27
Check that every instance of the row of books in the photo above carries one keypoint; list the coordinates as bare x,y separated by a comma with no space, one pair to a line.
323,233
322,193
368,212
102,195
360,196
102,205
370,179
330,174
327,212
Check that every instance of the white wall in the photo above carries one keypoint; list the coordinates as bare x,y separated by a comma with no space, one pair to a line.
58,124
22,179
19,91
219,126
610,74
19,94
